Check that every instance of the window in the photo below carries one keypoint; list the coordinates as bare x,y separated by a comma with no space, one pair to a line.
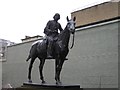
3,53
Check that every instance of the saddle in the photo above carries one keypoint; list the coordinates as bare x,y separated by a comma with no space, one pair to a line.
43,46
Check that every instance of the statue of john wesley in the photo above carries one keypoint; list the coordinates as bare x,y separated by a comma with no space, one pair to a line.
51,32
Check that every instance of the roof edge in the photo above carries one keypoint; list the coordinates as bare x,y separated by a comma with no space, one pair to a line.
98,22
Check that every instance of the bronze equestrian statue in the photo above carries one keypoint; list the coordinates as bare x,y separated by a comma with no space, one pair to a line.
60,47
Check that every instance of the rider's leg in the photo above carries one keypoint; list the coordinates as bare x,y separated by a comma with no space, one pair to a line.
49,49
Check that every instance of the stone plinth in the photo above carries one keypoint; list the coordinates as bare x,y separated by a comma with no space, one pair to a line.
36,86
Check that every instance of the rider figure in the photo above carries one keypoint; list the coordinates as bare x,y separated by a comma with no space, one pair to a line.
51,32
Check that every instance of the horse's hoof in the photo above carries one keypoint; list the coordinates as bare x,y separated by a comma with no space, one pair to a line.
43,82
58,83
30,81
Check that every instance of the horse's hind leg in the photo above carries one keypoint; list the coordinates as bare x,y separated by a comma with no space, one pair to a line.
42,62
30,69
28,58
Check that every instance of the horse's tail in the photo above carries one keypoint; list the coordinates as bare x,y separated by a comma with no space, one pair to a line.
28,58
32,51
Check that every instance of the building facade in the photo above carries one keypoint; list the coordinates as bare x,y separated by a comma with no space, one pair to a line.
98,30
98,13
3,53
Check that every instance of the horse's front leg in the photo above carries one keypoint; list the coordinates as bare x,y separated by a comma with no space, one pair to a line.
58,71
42,62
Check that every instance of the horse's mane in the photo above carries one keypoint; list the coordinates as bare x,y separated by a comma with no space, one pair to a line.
63,34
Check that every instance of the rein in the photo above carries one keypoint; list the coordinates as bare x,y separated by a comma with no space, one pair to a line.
72,41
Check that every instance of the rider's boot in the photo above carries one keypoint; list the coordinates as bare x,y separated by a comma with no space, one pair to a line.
49,51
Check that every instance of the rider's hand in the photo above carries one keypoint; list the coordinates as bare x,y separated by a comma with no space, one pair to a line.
54,31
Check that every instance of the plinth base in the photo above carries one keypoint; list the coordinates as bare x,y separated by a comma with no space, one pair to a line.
36,86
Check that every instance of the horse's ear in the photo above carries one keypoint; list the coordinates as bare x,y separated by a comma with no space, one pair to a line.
67,18
74,18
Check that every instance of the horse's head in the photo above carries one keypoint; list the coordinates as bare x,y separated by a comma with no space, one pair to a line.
71,24
64,36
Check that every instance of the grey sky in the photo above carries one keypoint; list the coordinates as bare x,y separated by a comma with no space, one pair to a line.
29,17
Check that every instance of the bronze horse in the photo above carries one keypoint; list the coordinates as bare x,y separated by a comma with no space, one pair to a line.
39,50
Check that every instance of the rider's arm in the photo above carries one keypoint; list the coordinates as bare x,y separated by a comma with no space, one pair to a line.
60,28
47,30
